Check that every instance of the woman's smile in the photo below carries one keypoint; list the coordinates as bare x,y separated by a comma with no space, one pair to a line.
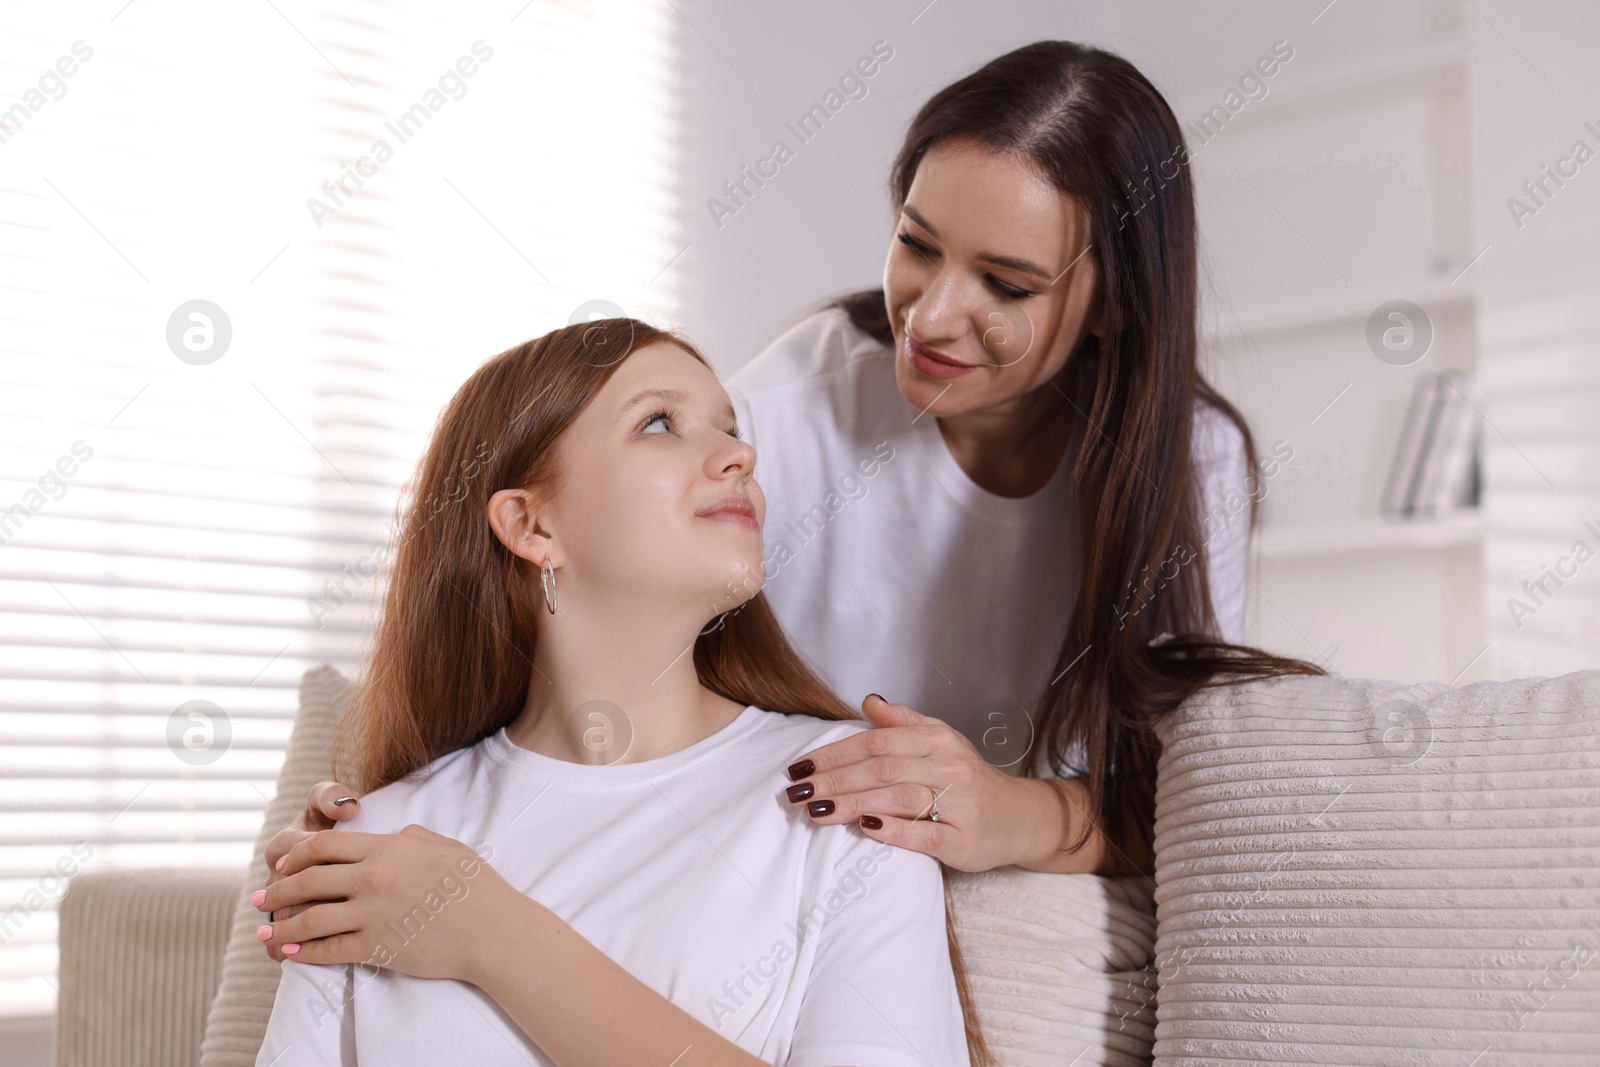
935,364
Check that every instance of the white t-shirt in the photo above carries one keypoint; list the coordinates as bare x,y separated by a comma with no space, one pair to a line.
805,945
894,572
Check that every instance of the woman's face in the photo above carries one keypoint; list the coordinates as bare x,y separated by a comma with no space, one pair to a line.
636,526
985,271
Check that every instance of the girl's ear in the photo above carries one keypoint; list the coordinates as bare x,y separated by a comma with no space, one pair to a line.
513,516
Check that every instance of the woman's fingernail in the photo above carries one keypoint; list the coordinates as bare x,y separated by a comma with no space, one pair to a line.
281,861
879,696
343,800
263,933
800,792
872,822
258,898
799,770
290,950
820,807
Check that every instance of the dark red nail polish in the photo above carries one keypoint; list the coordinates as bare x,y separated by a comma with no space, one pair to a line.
800,792
872,822
799,770
820,807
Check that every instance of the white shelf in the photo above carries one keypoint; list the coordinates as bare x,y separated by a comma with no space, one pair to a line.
1435,295
1460,529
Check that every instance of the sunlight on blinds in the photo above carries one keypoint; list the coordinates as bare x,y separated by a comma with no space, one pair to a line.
249,253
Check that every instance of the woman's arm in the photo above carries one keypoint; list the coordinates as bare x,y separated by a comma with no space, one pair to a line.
569,997
987,818
1070,799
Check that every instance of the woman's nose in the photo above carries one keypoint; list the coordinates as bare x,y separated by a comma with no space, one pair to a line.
937,316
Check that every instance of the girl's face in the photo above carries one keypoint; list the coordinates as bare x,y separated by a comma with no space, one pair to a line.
985,272
659,510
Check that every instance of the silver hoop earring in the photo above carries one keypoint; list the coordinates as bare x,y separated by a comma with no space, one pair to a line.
547,580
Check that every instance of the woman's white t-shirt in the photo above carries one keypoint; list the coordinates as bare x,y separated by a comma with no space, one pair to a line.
893,572
806,945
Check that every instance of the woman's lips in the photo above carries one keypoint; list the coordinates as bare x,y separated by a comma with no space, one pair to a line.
934,364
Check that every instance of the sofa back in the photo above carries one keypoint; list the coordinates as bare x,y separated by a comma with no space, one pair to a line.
1354,871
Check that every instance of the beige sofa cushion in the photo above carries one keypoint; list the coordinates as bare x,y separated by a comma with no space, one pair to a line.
1058,965
237,1022
140,955
1366,872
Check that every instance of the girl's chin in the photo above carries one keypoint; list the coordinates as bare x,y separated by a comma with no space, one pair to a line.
742,577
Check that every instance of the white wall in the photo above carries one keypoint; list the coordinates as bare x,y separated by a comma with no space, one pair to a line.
1538,86
820,225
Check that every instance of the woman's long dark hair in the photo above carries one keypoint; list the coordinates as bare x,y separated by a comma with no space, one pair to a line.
452,656
1093,125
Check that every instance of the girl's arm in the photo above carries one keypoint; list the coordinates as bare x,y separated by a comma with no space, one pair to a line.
570,998
880,989
580,1006
311,1024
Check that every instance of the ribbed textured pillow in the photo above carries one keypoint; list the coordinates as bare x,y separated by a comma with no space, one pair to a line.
141,951
1057,964
237,1022
1367,872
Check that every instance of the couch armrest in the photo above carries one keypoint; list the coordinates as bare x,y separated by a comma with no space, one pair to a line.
141,955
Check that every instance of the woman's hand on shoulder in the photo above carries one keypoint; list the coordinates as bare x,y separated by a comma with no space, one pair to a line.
886,780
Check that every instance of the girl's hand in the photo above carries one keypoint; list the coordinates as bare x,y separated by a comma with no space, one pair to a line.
322,813
415,902
891,773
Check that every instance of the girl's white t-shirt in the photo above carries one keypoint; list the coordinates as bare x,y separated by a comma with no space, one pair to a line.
893,572
806,945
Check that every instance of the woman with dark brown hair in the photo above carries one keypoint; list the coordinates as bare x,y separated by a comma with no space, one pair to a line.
576,676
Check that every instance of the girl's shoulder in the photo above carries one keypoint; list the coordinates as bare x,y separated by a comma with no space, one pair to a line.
418,794
800,724
786,736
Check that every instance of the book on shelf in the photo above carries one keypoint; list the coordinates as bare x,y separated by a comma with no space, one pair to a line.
1436,466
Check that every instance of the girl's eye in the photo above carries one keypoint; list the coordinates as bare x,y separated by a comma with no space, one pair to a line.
660,416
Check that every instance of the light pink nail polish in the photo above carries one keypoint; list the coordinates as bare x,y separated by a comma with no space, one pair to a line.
290,950
258,898
281,861
264,933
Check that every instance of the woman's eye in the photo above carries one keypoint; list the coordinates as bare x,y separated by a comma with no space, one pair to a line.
1010,291
912,243
660,416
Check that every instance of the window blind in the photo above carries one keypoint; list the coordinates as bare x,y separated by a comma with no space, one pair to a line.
249,252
